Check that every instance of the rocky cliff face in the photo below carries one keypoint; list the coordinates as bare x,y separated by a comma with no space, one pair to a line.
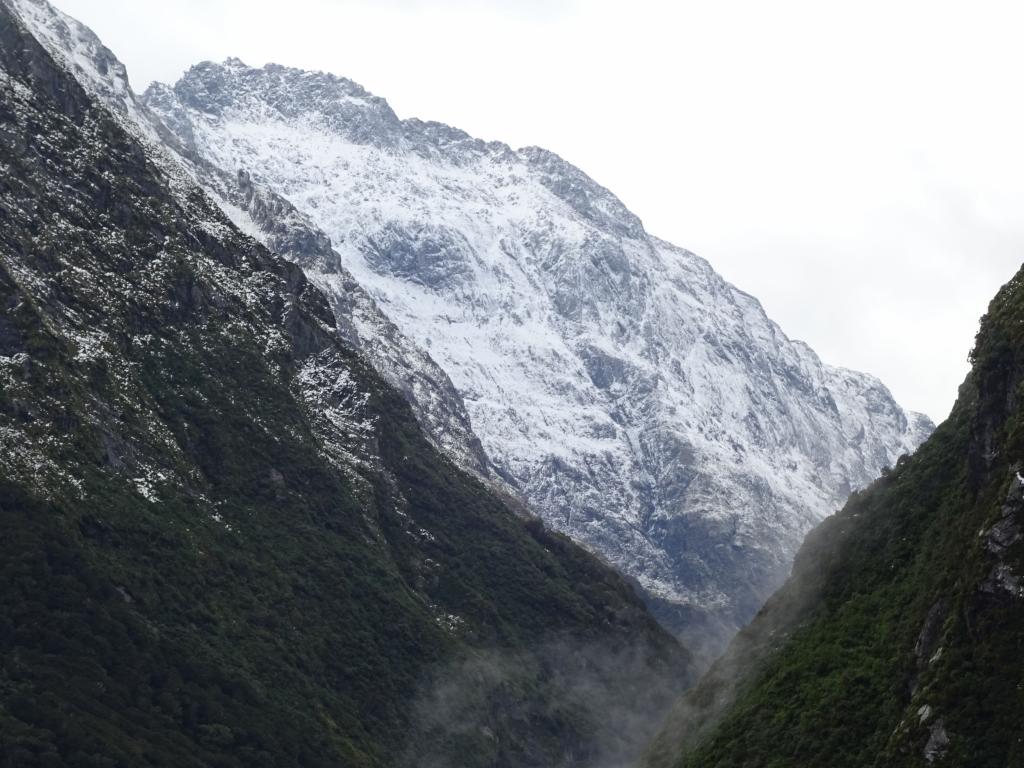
897,640
631,396
226,539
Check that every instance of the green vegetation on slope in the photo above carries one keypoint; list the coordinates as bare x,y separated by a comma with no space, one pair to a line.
899,639
225,541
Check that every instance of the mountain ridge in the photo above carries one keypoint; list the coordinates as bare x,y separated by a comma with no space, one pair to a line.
615,383
596,362
227,540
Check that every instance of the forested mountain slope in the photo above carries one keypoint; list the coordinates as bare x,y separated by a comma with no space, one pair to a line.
899,639
226,541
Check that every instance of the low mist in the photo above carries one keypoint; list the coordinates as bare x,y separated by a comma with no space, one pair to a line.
561,704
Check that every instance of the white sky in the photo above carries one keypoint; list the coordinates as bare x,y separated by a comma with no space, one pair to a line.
857,166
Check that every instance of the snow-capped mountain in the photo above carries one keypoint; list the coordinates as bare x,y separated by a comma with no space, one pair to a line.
631,396
634,398
225,538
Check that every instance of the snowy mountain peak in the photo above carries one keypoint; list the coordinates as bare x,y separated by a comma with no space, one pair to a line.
282,92
631,396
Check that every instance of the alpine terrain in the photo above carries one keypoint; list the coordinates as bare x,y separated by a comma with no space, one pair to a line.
899,639
611,381
226,539
633,398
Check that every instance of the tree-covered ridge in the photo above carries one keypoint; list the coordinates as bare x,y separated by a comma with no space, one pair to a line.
899,639
225,540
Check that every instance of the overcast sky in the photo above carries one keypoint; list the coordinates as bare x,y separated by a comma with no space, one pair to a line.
856,166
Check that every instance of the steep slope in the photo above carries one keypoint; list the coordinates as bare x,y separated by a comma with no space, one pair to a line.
636,400
898,640
283,229
226,540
